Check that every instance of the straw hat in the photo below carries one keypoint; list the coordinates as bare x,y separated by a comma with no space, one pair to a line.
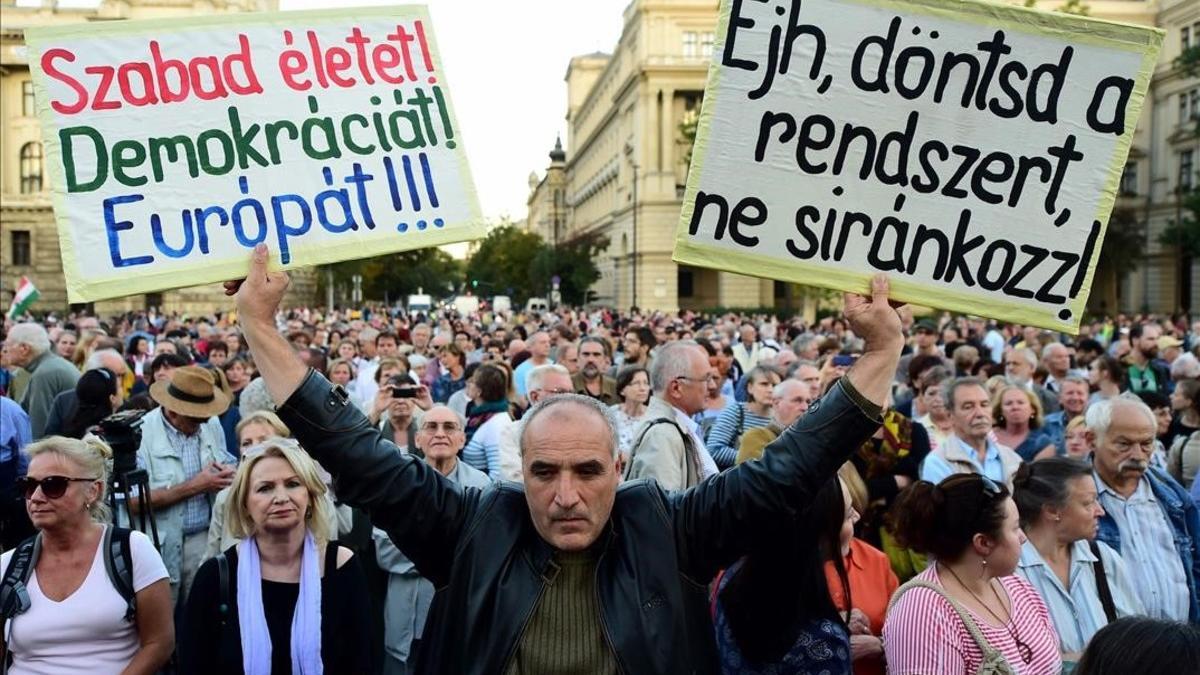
191,391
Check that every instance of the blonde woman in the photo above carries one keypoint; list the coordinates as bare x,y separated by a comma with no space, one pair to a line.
291,600
1018,417
76,620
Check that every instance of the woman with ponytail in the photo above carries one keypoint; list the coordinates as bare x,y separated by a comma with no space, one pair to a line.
1083,581
773,611
72,618
966,613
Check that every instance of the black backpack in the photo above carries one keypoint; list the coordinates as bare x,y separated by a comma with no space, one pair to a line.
118,562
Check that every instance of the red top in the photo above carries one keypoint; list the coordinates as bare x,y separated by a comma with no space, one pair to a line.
872,583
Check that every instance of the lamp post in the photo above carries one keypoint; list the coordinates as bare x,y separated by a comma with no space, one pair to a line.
634,262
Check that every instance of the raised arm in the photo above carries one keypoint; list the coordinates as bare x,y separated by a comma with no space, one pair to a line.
420,510
721,519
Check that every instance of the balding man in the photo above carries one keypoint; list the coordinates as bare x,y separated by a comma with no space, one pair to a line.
668,446
1148,518
64,405
1057,359
440,439
49,374
789,400
1019,367
543,382
539,355
571,571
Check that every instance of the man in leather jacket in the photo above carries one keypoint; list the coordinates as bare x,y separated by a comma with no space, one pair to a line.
505,560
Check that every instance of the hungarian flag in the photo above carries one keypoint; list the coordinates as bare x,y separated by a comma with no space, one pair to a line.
26,295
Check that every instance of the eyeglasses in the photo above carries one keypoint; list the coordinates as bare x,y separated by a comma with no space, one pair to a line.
448,427
706,379
556,392
52,486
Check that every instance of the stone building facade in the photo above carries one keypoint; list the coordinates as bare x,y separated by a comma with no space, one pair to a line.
29,244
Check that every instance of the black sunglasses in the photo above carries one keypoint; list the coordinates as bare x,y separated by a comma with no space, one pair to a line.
52,486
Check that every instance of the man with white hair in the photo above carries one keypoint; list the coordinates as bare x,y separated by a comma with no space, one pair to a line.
789,401
543,382
1148,518
1057,359
668,446
49,374
64,405
1019,366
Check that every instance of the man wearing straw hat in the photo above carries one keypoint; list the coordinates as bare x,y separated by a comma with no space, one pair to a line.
183,451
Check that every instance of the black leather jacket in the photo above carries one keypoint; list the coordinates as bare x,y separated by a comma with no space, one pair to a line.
656,556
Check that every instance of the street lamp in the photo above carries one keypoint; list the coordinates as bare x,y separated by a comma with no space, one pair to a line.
634,262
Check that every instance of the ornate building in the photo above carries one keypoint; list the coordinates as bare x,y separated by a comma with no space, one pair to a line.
627,160
28,234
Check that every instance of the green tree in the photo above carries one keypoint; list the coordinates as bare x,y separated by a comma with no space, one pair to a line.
574,262
396,275
1122,250
504,260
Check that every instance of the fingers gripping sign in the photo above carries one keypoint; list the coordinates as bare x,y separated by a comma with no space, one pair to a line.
260,293
875,319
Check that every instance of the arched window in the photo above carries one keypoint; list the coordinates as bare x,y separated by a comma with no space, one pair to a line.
31,168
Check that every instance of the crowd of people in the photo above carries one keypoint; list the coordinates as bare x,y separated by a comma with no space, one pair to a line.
367,490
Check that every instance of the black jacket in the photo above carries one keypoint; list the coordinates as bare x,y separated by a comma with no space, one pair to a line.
656,557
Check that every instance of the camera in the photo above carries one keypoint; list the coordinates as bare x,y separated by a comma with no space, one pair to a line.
402,387
123,433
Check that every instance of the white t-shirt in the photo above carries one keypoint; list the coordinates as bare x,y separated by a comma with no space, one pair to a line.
86,632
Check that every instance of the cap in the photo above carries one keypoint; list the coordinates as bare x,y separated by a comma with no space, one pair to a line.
1168,341
926,325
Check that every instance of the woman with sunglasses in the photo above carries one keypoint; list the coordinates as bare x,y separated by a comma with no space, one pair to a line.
292,600
76,620
967,610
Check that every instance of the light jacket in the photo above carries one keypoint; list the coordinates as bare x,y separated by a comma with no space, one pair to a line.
1184,516
952,453
664,451
164,467
655,556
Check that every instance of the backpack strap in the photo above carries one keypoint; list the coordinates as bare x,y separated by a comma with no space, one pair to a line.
1106,598
687,443
14,596
993,661
224,606
118,563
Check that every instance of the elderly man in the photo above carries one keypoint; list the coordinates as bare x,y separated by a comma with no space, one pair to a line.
409,595
668,446
789,400
539,355
748,350
970,448
1057,359
1019,366
1073,394
544,381
183,453
49,374
591,379
571,571
1148,518
66,403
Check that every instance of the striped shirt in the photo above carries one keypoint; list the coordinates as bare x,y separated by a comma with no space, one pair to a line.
483,452
722,438
923,635
196,511
1148,549
1076,609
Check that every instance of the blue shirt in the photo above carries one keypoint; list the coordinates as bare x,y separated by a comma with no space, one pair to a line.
1148,549
15,434
935,469
1076,610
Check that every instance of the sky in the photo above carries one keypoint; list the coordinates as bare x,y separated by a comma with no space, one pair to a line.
505,61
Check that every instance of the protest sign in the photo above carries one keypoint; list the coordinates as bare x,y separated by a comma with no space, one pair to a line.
970,150
177,145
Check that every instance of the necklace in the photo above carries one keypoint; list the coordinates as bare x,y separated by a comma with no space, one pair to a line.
1023,649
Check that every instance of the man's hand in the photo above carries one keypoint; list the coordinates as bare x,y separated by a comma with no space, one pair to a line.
864,646
212,478
874,319
260,293
858,624
423,399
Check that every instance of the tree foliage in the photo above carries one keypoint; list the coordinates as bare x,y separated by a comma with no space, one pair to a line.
1124,244
1076,7
574,262
396,275
503,263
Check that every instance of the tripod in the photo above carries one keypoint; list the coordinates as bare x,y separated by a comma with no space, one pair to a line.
130,484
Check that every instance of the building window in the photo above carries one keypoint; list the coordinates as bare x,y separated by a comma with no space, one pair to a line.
685,281
1194,96
689,44
1185,38
1187,170
706,45
27,107
21,249
31,168
1129,179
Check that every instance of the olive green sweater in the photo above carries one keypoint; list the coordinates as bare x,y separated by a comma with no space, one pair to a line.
564,635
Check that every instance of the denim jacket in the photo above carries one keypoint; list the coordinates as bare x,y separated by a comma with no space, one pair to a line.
1182,514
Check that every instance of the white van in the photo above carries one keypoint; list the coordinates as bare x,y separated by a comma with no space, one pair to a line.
502,304
537,305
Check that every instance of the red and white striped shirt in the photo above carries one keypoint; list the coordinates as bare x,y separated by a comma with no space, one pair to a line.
923,635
